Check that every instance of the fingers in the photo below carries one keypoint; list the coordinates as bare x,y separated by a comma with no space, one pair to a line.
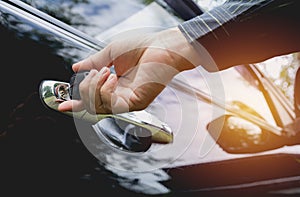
96,61
101,93
90,89
107,93
94,88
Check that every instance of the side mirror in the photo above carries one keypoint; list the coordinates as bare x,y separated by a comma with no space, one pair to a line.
238,136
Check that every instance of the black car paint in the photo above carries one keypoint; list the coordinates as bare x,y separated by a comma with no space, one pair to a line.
41,152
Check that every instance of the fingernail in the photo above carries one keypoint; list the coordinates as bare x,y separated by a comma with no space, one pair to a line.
103,70
111,77
93,72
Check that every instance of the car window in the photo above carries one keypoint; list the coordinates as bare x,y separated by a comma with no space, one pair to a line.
91,17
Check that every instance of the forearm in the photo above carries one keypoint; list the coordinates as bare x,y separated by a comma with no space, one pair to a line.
239,33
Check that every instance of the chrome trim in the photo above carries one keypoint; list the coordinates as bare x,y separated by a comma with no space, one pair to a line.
30,13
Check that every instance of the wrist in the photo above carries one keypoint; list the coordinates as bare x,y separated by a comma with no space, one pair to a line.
183,53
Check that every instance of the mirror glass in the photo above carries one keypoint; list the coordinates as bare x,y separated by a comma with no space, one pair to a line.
238,135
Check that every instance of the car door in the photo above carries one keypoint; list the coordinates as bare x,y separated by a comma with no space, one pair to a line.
52,47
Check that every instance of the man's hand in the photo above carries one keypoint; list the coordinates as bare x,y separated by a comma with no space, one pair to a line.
144,65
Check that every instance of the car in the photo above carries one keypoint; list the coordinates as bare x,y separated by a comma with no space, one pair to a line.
44,151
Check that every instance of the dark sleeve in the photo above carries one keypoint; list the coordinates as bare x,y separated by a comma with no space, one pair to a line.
241,32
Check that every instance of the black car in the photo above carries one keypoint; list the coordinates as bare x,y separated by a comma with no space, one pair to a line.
45,152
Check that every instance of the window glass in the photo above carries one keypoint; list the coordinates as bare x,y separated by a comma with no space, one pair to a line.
90,16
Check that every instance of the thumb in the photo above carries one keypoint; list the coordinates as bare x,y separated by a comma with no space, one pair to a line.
72,105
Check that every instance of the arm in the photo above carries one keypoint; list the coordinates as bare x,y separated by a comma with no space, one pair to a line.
241,32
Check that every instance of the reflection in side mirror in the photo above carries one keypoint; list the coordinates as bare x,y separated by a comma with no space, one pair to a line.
131,132
239,136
